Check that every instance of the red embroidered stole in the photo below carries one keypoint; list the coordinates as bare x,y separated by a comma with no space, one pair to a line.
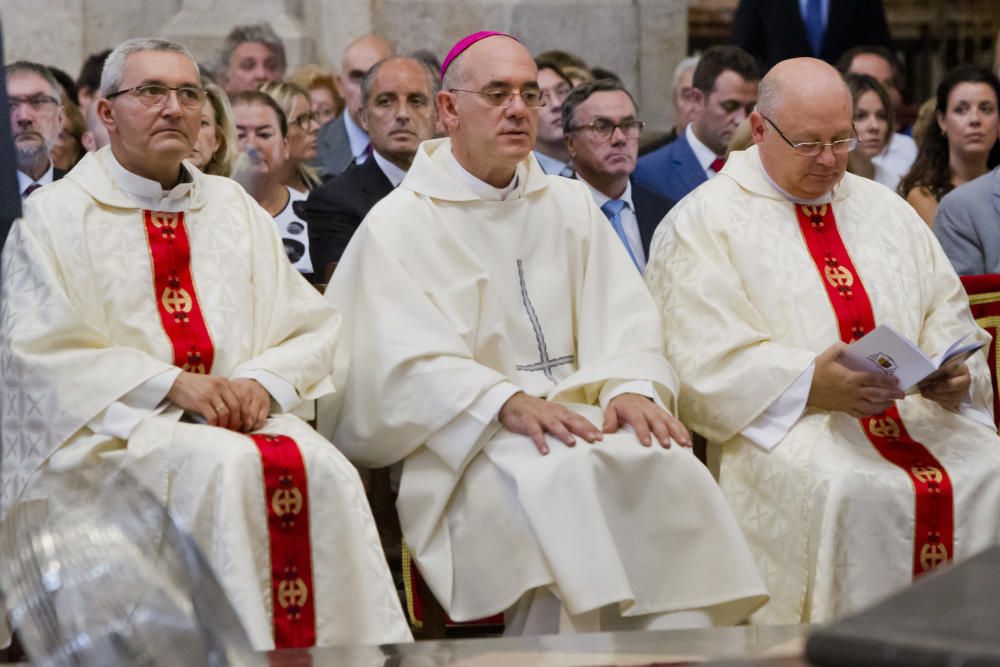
285,485
933,539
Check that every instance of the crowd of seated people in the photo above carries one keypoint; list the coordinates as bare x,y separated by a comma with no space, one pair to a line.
526,302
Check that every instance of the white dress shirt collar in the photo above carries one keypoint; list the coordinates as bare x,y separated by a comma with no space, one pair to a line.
705,155
148,194
550,165
24,181
391,171
357,137
484,190
601,198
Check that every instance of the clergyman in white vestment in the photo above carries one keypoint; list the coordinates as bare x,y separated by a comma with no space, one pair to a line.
846,489
493,319
142,299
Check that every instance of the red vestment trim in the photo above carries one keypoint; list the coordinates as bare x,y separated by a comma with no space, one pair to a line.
933,540
286,494
174,291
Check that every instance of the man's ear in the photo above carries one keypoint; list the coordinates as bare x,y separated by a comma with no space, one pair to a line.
363,117
104,112
570,142
447,113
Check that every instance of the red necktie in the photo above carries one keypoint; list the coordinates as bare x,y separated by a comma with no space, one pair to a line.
31,188
717,164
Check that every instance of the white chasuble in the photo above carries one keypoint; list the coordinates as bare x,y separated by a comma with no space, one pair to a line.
100,299
452,302
834,525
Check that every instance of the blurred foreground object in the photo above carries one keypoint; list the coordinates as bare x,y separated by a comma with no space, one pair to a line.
97,573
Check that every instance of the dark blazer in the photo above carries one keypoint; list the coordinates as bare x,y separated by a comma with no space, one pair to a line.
336,208
10,197
774,30
968,225
334,148
650,209
671,171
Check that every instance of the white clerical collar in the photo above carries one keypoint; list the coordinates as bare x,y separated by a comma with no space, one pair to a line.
24,181
601,198
391,171
825,199
356,136
147,193
481,188
706,156
550,165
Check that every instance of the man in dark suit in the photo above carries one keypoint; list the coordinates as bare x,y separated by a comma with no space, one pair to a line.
343,141
774,30
397,97
602,136
36,117
724,88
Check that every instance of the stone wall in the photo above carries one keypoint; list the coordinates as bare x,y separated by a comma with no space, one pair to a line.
641,40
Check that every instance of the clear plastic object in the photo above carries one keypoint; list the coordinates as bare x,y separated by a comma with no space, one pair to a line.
97,573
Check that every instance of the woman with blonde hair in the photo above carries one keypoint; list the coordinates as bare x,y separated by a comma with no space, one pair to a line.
319,83
303,129
215,147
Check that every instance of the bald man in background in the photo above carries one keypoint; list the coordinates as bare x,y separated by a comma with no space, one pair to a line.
846,487
343,141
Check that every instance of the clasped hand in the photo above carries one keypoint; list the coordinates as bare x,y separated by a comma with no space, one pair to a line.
862,394
536,417
238,405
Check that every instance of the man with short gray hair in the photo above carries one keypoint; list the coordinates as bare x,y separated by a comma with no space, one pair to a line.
36,118
602,136
251,55
152,320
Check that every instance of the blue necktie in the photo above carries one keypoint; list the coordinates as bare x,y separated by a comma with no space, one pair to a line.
814,25
613,209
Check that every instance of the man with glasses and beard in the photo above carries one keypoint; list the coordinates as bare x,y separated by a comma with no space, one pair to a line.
152,321
501,344
35,119
846,487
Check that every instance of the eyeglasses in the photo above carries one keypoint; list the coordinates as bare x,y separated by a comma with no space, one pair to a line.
815,148
155,94
499,97
605,129
303,120
36,102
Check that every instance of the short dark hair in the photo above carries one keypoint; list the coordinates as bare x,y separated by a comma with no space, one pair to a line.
250,97
433,80
718,59
66,83
90,72
261,33
898,70
582,93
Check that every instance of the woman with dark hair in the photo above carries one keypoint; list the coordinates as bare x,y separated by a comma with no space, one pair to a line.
963,146
874,121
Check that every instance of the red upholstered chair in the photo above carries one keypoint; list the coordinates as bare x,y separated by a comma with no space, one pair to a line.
984,301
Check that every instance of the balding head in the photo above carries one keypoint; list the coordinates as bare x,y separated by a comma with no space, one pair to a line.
490,140
359,56
809,101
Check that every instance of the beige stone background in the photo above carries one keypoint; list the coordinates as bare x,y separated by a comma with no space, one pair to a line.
640,40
